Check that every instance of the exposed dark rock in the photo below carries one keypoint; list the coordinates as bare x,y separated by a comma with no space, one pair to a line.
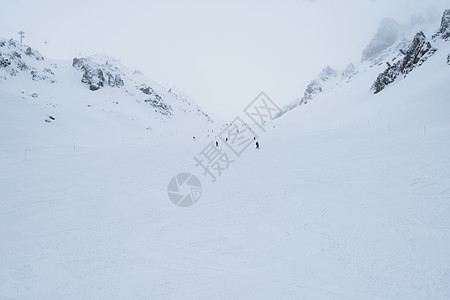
37,76
160,106
96,75
448,59
385,78
13,43
22,65
146,89
15,54
114,80
47,70
444,30
418,52
33,53
94,78
14,60
4,62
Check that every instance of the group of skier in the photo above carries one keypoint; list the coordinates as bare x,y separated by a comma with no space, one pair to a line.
226,140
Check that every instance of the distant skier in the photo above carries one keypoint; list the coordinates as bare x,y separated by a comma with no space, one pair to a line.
226,139
217,144
257,145
193,138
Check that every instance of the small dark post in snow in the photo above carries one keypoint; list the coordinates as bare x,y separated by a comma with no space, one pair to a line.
22,35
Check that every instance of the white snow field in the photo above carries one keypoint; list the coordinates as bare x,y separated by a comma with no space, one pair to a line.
348,198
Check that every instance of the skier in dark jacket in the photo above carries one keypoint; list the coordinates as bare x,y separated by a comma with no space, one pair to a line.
257,145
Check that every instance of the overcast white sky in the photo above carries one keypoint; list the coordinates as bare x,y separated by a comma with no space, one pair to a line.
219,53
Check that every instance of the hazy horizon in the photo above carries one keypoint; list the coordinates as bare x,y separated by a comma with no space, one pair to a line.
219,54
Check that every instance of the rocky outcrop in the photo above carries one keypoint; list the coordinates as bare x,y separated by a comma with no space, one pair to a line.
159,105
317,84
155,100
444,30
34,53
418,52
16,58
315,87
349,72
95,72
97,75
145,89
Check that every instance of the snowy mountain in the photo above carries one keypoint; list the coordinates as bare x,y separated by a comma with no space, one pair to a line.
327,79
394,46
95,92
418,52
444,30
346,198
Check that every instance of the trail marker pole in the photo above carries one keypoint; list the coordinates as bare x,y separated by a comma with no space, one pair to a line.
22,36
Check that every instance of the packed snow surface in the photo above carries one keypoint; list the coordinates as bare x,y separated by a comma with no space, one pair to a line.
348,198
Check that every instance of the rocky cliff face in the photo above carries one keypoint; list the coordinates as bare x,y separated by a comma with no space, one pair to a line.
17,59
391,45
101,71
106,77
444,30
418,52
98,75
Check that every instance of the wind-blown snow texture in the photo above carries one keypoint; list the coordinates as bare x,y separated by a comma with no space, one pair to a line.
348,197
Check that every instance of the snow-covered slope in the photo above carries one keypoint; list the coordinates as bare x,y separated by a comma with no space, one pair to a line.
394,50
94,98
348,198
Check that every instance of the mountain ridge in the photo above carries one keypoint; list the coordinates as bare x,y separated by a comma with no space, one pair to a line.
96,87
390,45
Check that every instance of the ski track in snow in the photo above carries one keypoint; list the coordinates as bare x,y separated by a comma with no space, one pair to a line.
348,217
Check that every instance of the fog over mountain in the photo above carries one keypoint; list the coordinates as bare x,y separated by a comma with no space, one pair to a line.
218,53
140,158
